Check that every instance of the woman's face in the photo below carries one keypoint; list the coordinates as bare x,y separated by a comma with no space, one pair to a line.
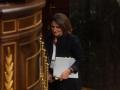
56,29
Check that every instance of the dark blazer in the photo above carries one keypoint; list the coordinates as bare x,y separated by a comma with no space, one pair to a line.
67,45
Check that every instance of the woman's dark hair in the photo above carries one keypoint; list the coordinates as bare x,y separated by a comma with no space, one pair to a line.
63,21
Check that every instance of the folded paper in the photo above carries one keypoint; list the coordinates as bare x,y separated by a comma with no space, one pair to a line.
62,63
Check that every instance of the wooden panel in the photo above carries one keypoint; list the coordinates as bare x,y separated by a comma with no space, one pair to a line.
20,26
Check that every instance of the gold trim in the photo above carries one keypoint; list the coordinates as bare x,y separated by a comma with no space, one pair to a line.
36,15
43,66
28,27
10,31
9,71
17,22
10,64
40,21
34,22
28,59
33,56
34,84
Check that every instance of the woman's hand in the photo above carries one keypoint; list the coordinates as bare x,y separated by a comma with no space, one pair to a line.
65,74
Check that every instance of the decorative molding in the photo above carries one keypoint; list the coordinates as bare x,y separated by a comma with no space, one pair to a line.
9,26
28,59
9,63
9,71
38,18
34,21
33,56
34,84
25,23
43,66
20,24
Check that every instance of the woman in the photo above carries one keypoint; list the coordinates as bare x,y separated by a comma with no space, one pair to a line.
62,43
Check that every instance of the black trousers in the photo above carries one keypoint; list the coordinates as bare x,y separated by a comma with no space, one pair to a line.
68,84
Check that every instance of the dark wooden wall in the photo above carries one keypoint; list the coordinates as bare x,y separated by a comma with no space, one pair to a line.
96,22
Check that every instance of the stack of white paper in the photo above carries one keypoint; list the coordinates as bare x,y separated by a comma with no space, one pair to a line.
62,63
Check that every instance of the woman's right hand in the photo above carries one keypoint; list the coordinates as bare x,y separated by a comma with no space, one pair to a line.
65,74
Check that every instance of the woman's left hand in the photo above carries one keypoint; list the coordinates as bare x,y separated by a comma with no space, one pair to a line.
65,74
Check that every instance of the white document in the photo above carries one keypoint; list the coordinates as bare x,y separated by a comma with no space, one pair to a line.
62,63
